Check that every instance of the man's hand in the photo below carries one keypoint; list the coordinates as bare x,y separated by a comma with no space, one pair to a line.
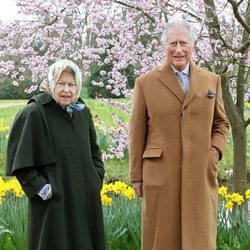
138,188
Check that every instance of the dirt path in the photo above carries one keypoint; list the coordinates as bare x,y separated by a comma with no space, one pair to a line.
6,105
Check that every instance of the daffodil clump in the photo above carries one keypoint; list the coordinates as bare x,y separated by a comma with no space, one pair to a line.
118,189
112,189
232,199
10,186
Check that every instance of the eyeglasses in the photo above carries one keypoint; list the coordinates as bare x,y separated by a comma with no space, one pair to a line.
62,85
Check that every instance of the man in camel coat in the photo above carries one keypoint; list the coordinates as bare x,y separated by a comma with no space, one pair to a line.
178,132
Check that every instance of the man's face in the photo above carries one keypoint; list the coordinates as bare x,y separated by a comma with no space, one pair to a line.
178,48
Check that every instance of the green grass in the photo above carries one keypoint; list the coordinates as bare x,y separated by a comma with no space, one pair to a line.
116,169
20,101
7,115
104,112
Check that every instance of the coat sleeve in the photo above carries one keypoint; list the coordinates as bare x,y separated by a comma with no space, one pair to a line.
95,151
137,133
220,128
30,180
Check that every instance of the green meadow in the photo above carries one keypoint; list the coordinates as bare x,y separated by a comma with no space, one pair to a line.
116,169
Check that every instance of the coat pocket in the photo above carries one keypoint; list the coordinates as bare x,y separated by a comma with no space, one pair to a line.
152,153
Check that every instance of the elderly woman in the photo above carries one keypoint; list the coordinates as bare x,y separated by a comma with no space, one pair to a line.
52,150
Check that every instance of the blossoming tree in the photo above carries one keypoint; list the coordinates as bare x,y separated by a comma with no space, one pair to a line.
124,35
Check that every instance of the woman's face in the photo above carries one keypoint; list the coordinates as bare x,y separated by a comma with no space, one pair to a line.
65,89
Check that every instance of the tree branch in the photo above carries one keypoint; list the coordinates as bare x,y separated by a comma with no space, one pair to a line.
244,47
152,19
214,25
55,19
225,44
235,6
186,12
240,2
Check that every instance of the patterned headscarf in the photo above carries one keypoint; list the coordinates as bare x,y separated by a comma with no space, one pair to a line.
55,71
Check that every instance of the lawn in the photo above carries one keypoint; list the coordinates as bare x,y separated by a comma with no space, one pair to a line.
116,169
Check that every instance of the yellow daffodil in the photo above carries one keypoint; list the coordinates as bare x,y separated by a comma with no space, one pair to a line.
232,199
247,193
129,193
106,200
223,191
228,196
10,185
237,198
2,187
229,205
119,188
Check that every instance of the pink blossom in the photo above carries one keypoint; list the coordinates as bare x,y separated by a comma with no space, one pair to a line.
31,89
21,78
15,83
126,39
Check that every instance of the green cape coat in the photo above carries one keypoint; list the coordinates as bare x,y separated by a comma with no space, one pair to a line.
46,145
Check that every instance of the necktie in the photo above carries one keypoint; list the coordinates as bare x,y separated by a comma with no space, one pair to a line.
184,81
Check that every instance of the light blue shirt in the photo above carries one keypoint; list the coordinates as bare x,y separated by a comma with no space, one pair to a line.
183,77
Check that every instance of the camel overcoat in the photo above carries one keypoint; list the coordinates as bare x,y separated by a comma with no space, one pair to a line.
171,144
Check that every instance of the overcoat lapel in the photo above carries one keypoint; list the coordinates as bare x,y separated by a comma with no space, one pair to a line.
194,84
169,79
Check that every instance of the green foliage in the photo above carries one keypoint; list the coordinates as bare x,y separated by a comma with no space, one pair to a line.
122,224
226,164
94,91
95,75
103,138
104,112
9,91
117,169
13,223
233,230
8,113
6,118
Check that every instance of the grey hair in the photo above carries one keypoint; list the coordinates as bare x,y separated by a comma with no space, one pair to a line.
174,23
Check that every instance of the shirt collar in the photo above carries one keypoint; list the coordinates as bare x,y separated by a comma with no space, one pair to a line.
185,70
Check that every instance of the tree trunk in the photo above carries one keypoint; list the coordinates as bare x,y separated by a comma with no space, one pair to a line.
234,109
239,157
238,127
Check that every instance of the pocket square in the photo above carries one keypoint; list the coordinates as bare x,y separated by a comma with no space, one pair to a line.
210,94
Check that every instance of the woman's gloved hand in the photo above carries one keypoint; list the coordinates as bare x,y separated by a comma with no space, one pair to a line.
45,192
